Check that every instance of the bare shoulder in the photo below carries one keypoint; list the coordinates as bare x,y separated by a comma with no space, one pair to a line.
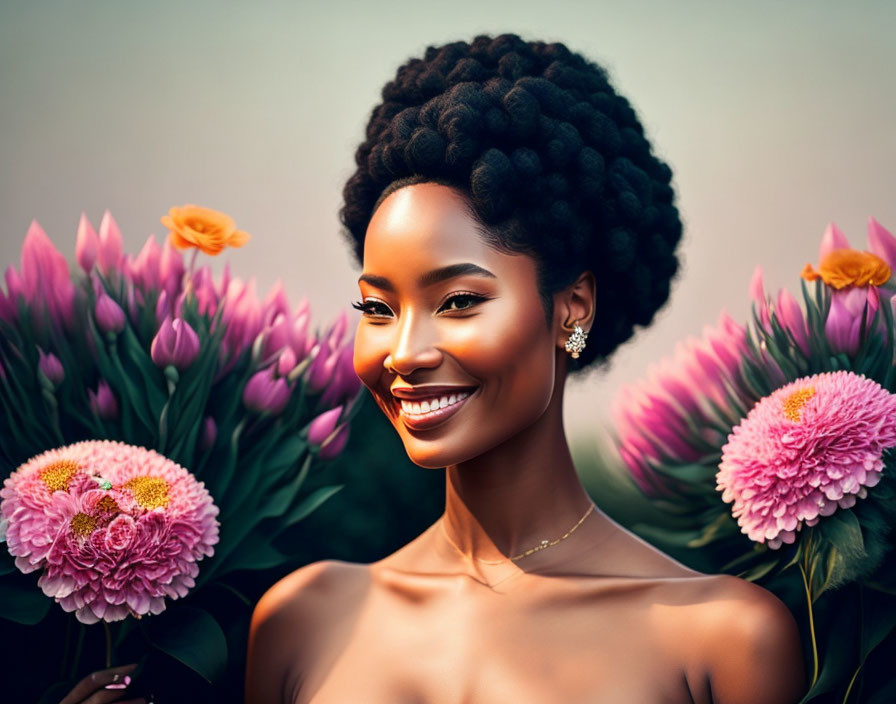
290,620
748,642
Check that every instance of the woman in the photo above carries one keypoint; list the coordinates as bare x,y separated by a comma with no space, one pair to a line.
513,226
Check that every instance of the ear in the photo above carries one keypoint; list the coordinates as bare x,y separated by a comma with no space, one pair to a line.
575,304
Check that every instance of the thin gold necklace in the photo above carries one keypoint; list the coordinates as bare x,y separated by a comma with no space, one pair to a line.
541,546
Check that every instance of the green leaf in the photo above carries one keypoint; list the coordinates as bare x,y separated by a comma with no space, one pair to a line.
25,605
192,636
309,504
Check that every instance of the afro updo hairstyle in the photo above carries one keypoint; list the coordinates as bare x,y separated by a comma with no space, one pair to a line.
551,161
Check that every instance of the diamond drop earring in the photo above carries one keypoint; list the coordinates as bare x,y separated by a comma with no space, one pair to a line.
576,341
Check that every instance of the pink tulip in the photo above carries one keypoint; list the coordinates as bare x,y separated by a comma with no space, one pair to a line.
757,293
209,433
332,447
831,240
109,255
176,343
323,426
45,277
102,401
225,281
51,367
882,243
791,318
146,269
204,290
844,321
109,315
87,245
266,393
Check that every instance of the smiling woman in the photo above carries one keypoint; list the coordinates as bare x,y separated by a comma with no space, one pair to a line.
506,207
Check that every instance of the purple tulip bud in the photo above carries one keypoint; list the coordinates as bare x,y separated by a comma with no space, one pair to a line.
209,433
109,255
175,343
345,382
334,337
266,393
321,369
51,367
321,427
102,401
275,303
332,447
286,361
162,307
171,270
109,315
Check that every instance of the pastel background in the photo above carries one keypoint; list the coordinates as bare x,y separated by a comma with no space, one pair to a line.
776,118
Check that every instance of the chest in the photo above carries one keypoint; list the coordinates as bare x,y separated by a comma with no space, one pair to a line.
485,648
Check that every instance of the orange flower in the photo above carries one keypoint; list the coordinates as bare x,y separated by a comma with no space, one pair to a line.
848,267
203,228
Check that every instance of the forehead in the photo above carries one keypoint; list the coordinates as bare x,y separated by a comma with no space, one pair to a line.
423,224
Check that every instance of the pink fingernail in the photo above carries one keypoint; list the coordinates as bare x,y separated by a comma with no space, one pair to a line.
125,681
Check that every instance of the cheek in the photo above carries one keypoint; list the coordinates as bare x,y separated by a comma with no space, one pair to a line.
367,358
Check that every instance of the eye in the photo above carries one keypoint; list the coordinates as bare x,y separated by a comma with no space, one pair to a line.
471,298
370,307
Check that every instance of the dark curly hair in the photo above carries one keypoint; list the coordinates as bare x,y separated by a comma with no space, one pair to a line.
552,162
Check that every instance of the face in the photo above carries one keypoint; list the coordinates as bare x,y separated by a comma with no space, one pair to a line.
452,325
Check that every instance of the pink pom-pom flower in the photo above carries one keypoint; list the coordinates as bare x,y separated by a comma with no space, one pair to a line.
115,528
805,450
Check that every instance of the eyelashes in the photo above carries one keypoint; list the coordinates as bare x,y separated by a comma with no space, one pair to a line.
371,307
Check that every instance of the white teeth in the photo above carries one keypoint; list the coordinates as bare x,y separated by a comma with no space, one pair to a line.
433,404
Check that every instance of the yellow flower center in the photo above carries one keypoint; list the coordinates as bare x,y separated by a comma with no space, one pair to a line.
83,525
793,403
57,475
849,267
149,492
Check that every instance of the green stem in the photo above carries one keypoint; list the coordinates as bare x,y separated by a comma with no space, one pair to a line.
811,626
108,643
852,682
67,647
78,645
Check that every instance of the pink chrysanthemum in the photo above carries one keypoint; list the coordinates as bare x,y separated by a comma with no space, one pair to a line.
115,528
810,447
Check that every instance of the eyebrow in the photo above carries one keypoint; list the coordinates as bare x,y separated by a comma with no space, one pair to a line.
431,277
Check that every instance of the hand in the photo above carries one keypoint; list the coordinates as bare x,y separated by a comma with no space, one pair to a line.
93,688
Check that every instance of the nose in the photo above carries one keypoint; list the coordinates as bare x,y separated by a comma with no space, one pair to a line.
413,346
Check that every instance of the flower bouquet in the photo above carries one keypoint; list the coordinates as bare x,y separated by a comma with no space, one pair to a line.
157,426
769,451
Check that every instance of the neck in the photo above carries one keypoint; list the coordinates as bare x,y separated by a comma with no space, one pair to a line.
507,500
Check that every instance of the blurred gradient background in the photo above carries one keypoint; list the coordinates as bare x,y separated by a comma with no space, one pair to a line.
776,118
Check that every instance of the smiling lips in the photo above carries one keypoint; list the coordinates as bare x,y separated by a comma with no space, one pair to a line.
428,412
